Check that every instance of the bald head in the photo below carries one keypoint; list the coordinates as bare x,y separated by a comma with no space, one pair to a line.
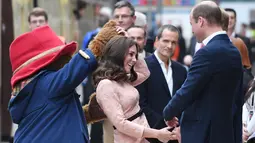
208,10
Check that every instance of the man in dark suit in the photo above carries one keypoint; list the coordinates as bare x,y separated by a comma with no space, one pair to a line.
231,31
166,77
210,99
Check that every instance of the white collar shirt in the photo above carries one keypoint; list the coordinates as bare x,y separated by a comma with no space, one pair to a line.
168,73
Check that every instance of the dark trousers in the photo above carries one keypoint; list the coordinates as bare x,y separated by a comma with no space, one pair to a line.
96,133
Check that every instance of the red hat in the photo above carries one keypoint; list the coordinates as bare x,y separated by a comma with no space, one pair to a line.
32,51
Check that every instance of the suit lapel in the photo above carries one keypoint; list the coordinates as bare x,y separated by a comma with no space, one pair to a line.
156,68
174,76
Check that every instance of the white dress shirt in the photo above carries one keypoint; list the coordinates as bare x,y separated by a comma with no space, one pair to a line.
209,38
198,46
233,34
168,73
142,55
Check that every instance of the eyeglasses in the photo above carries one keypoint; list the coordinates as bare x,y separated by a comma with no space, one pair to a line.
116,17
41,21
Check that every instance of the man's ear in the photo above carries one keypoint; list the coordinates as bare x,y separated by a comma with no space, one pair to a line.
200,21
134,18
156,39
145,41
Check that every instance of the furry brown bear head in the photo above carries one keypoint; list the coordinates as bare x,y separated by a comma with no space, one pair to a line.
104,35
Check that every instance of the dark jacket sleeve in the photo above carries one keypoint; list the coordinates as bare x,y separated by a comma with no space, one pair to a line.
198,76
66,79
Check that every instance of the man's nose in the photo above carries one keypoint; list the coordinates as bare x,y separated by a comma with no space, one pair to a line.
169,45
120,19
38,23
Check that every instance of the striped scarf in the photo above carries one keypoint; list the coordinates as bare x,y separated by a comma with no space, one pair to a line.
18,87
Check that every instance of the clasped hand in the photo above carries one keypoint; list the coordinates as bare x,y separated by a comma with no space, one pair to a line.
172,123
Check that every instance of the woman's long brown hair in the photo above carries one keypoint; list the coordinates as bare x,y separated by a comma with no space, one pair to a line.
111,64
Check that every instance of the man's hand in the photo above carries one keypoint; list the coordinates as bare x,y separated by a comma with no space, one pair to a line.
172,123
122,31
164,135
245,134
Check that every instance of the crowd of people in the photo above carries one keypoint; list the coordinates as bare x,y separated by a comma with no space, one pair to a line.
147,89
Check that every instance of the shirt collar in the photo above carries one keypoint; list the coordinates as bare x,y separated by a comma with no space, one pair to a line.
159,60
142,55
209,38
233,34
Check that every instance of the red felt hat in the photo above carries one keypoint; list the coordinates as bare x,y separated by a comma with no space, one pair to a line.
32,51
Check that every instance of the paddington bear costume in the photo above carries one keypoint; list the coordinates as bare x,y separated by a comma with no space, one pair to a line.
44,103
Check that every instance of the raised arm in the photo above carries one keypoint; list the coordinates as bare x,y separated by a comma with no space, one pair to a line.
142,72
71,75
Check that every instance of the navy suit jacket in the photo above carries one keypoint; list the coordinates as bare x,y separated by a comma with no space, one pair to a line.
154,92
211,96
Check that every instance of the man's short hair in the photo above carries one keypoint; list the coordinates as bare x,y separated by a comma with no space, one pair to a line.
231,10
211,13
224,20
124,3
38,12
137,26
168,27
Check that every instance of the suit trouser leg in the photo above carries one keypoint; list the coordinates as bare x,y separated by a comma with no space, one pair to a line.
96,133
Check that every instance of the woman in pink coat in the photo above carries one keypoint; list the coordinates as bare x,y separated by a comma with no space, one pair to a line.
118,72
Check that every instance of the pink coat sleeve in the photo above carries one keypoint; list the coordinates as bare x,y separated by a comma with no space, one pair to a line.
110,104
142,72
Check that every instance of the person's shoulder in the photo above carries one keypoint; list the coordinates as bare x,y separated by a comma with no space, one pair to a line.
241,36
148,54
244,38
105,85
150,60
179,65
149,57
238,42
105,82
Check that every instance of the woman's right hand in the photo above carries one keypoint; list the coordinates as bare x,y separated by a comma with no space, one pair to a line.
245,134
164,135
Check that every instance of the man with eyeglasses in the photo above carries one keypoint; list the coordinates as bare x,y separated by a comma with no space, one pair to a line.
124,14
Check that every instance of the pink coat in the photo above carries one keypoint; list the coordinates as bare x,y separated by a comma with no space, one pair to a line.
121,101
